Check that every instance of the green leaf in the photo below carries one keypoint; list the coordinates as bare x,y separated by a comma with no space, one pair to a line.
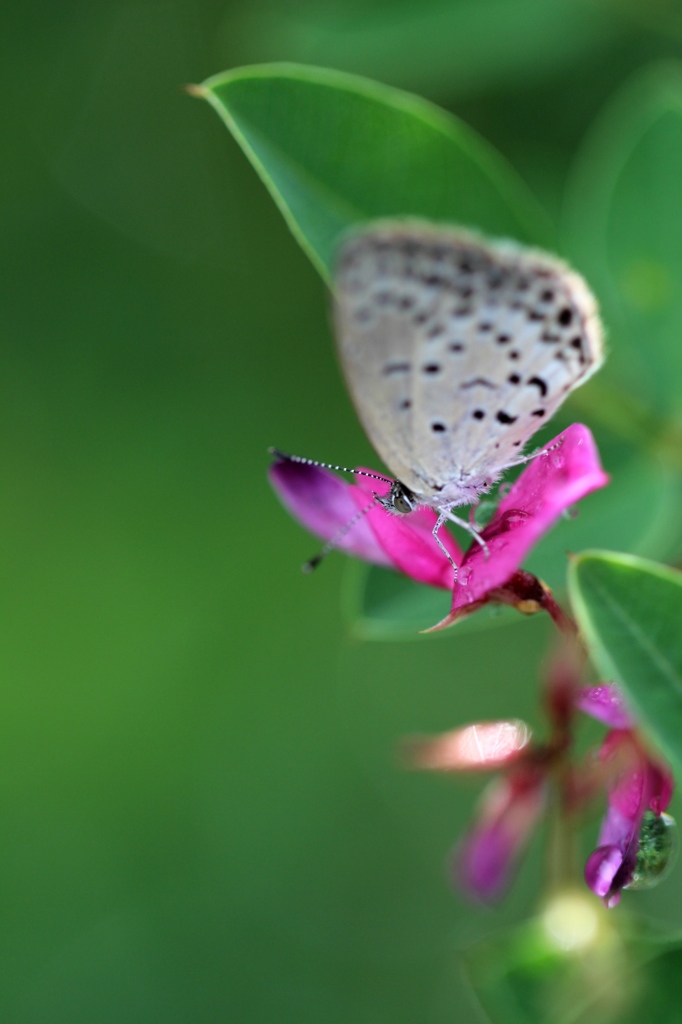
335,150
623,970
623,227
630,614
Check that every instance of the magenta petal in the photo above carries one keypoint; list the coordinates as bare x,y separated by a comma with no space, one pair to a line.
407,539
324,503
486,857
609,868
484,863
662,784
601,869
641,784
606,704
618,828
551,483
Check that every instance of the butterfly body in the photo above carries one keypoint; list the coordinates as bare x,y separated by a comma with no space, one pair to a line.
456,350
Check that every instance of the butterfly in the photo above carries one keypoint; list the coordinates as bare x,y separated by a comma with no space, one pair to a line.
456,349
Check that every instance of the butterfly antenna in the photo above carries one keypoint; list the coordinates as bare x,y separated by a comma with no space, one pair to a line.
327,465
334,541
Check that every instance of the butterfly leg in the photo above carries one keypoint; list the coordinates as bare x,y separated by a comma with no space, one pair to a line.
441,519
470,528
524,459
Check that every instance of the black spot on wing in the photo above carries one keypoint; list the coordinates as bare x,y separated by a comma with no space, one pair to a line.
540,384
577,343
505,417
478,382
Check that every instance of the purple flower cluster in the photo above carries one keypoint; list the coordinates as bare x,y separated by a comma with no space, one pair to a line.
635,781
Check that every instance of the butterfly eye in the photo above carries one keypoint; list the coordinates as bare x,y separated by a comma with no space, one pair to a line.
401,503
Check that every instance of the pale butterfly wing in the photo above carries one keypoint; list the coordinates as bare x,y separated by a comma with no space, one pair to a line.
457,349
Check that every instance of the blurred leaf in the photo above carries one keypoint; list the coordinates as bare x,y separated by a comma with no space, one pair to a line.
335,150
527,977
623,226
460,45
141,167
630,611
661,1000
664,16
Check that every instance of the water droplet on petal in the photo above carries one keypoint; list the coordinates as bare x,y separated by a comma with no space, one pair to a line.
658,842
464,575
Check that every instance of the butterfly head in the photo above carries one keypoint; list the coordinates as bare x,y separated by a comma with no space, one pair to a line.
399,499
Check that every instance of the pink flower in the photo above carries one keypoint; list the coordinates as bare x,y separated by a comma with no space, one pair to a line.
510,807
325,504
605,703
637,784
567,470
507,814
513,803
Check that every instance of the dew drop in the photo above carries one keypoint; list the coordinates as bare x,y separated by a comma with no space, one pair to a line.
658,842
464,575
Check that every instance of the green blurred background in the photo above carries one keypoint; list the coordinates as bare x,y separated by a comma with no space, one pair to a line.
203,813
